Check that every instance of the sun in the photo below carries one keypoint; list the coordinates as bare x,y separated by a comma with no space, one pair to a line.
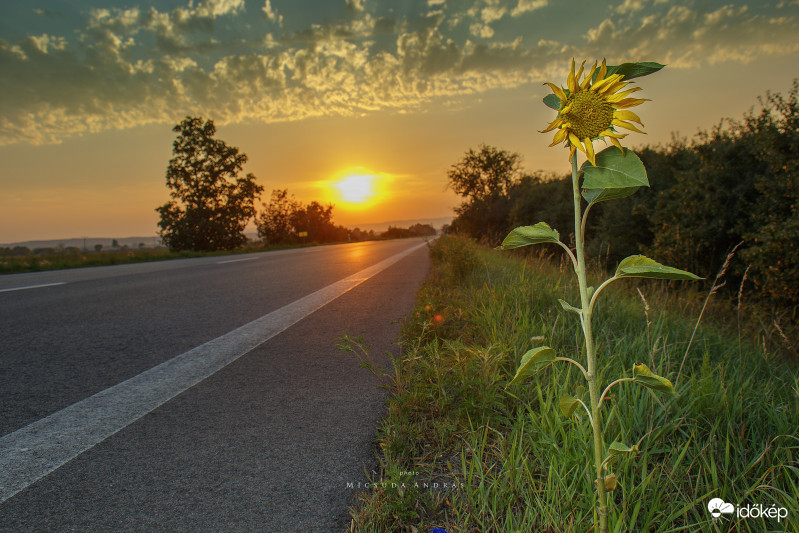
356,189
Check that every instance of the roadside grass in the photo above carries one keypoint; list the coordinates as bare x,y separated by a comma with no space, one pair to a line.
63,259
460,452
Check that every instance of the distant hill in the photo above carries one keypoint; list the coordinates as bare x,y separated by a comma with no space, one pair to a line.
383,226
154,241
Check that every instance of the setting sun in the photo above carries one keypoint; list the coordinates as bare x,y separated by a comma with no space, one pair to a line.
356,189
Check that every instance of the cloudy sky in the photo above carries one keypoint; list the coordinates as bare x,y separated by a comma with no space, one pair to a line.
316,90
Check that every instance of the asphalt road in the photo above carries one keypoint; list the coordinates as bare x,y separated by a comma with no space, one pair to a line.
269,442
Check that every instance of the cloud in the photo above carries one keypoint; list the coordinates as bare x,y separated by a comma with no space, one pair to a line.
525,6
216,8
271,14
687,38
129,67
355,5
631,6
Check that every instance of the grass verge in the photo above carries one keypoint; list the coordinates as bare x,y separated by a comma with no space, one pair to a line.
58,260
460,452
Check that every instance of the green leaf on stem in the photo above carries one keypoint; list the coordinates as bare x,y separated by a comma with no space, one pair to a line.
526,235
618,448
594,196
533,362
635,70
568,405
616,174
632,70
643,376
565,305
611,482
639,266
552,101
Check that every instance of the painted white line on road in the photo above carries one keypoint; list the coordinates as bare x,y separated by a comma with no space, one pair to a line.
235,260
33,286
32,452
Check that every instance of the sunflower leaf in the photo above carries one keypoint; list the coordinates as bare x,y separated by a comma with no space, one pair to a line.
570,308
552,101
567,405
593,196
534,361
640,266
618,448
635,70
525,235
616,174
643,376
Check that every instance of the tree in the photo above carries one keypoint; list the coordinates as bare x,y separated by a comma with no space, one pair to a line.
211,205
484,178
317,221
284,218
486,174
275,221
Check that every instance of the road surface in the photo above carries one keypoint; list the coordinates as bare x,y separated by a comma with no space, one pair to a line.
196,395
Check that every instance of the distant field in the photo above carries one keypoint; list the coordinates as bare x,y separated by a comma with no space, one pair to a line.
62,258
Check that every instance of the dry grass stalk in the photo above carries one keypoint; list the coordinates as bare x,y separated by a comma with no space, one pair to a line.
716,286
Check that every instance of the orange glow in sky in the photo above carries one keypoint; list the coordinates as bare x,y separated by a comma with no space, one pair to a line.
365,105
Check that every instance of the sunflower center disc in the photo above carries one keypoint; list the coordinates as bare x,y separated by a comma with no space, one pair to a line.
590,114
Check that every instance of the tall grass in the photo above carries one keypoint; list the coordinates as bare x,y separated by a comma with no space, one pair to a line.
732,432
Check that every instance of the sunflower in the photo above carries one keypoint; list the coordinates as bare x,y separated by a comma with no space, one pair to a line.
592,109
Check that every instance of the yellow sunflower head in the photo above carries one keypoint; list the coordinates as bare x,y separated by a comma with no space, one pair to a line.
592,108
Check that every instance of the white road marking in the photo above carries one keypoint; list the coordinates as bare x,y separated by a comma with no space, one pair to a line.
33,286
235,260
32,452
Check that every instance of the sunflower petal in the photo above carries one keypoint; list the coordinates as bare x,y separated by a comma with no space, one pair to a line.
626,125
627,115
588,77
558,91
579,73
621,96
570,80
603,71
589,150
559,137
613,87
575,141
613,134
613,78
629,102
617,144
555,123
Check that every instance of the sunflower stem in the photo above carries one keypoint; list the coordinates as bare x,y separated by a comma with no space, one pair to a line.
593,389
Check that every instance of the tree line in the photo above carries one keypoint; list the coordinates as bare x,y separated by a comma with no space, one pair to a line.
212,203
737,183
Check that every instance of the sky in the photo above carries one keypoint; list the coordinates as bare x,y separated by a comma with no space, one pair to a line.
318,91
